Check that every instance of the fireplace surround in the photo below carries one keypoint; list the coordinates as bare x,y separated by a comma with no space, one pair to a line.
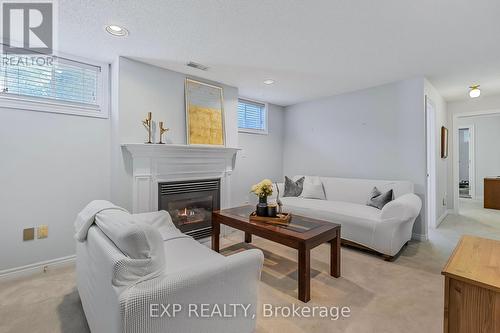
153,164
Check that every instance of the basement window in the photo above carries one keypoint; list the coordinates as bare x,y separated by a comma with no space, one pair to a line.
252,116
54,84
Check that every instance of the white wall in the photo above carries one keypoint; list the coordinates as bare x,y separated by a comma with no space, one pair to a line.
145,88
470,105
374,133
441,115
52,165
260,158
486,151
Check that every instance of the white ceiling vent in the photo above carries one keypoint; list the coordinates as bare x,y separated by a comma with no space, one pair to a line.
197,65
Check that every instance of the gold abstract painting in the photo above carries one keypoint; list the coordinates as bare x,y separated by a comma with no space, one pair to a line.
204,114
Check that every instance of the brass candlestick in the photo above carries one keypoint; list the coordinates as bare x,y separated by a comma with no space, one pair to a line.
162,130
147,124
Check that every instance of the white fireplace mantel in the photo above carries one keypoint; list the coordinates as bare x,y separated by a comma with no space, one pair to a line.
155,163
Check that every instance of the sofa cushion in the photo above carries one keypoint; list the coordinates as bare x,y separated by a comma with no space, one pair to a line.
358,220
313,188
293,188
356,190
182,253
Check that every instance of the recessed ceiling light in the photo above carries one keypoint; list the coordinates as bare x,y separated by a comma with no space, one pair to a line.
116,30
474,91
268,81
197,65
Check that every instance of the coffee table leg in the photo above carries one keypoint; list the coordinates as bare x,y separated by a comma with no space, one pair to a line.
248,237
335,256
215,234
304,274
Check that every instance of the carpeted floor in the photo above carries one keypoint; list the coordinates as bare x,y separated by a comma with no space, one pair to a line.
401,296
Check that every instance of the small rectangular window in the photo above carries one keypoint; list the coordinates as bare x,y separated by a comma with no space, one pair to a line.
252,116
54,84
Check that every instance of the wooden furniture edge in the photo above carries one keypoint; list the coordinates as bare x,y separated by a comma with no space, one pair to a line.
450,258
462,278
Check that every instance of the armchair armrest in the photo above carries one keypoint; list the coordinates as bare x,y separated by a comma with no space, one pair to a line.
233,280
404,208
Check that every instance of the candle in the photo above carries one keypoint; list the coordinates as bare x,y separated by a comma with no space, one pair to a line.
271,210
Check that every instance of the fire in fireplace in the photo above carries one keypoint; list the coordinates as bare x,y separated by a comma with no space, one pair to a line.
190,204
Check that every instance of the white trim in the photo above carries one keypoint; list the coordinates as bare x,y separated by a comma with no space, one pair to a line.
38,267
442,217
31,103
431,161
251,130
455,173
419,237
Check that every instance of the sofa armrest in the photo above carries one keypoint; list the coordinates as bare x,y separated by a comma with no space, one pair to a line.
234,280
403,208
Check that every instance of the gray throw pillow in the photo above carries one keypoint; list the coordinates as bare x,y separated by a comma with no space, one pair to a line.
293,189
378,199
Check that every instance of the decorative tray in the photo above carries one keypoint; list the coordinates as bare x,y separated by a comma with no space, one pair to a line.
281,219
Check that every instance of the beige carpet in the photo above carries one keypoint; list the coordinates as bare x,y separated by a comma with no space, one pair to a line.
401,296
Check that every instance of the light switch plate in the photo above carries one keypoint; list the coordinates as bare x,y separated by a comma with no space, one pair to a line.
42,231
28,234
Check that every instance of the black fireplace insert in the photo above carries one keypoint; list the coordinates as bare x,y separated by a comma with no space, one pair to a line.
190,204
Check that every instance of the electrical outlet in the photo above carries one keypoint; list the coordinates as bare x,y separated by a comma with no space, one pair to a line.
28,234
42,231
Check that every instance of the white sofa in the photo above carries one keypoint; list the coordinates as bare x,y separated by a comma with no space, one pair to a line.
385,230
125,292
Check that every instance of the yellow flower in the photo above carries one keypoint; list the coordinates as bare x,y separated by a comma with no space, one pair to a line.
263,189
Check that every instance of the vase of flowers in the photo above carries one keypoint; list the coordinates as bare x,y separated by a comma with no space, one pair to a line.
262,190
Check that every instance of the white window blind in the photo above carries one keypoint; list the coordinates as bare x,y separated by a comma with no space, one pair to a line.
61,81
252,116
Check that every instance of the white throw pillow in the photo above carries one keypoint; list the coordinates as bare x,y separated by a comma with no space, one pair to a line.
313,188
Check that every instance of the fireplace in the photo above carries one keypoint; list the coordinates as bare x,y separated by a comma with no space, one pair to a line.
190,204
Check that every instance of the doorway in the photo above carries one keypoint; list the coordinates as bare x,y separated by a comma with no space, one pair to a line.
466,181
476,134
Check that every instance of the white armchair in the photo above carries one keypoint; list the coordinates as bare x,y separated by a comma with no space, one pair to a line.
120,292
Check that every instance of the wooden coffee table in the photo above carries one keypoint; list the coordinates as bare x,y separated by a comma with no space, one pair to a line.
302,233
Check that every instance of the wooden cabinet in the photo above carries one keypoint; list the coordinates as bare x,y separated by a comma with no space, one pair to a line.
472,287
492,193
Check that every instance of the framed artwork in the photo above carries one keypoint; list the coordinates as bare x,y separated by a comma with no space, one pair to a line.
204,114
444,142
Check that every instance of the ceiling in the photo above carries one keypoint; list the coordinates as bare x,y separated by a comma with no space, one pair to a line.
310,48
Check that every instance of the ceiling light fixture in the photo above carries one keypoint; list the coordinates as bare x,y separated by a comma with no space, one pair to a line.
268,81
116,30
474,91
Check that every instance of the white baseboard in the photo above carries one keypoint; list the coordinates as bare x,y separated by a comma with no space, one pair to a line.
419,237
38,267
442,217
